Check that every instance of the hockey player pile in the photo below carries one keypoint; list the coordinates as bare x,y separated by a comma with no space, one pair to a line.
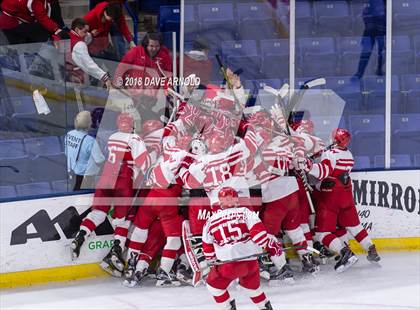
216,191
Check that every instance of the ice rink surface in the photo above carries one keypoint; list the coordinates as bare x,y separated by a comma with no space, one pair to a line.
395,285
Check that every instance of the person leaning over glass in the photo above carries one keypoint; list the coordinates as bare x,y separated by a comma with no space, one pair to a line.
83,153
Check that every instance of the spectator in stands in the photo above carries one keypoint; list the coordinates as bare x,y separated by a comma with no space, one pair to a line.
149,60
31,21
80,61
116,36
374,17
100,20
197,61
83,153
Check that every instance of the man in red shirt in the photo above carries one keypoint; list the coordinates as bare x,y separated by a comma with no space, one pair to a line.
29,21
100,20
143,70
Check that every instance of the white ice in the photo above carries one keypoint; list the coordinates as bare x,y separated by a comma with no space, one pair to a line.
395,285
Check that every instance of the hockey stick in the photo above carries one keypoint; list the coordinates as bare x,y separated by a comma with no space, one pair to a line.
281,94
298,96
229,83
291,248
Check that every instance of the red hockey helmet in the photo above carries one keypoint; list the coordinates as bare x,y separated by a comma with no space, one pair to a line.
219,141
261,119
151,125
305,125
341,137
125,122
228,198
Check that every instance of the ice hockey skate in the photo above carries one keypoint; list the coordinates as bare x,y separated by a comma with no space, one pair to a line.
346,260
166,280
309,265
283,276
77,243
373,255
114,257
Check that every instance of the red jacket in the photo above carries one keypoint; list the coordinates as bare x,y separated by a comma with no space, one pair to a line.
94,19
16,12
136,65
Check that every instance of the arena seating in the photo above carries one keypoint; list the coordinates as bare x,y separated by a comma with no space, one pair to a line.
332,17
368,134
400,161
361,162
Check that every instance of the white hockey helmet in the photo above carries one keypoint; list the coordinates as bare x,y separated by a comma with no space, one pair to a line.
198,146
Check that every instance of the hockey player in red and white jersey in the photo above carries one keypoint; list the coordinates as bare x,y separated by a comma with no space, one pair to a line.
127,156
280,200
335,203
233,237
312,145
161,202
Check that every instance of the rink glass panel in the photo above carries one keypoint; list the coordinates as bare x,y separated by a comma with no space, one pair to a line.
405,120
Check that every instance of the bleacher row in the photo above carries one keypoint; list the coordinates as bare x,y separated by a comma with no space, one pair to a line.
23,173
258,20
326,56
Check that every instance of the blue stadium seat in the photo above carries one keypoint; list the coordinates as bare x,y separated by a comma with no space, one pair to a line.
318,56
7,192
23,105
417,160
169,18
402,55
410,87
256,21
350,49
349,90
406,16
33,189
11,148
323,125
217,22
406,134
304,19
16,170
416,44
239,48
332,18
275,58
397,161
191,23
367,131
275,83
49,145
242,55
361,163
49,168
60,186
374,92
250,65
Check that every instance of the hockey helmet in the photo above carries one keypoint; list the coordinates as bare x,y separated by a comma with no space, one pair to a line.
151,125
228,198
198,146
340,137
261,119
219,141
305,125
125,122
